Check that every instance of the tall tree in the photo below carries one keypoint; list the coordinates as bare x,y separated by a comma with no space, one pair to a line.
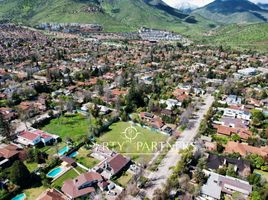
19,174
5,129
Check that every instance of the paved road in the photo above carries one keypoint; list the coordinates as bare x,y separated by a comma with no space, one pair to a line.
159,177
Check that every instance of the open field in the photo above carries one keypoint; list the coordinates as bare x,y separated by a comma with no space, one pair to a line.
72,126
142,145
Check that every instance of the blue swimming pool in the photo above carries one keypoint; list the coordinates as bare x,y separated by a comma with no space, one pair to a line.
72,155
63,150
54,172
19,197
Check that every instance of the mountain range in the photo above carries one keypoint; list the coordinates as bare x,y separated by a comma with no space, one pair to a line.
122,15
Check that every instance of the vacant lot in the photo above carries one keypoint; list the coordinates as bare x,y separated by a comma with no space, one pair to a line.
69,126
133,141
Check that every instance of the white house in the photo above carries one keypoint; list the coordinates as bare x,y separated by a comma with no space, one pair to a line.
233,113
171,103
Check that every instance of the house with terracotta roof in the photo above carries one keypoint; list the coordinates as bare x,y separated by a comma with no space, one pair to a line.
244,149
52,194
243,133
82,186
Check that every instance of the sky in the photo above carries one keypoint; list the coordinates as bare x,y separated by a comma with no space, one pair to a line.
200,3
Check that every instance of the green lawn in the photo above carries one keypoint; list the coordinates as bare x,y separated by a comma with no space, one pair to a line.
71,174
83,158
72,126
50,150
124,179
140,148
31,166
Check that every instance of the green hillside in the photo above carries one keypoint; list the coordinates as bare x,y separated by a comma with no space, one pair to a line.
114,15
253,36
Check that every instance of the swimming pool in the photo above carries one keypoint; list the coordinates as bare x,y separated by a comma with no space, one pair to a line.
72,155
54,172
19,197
63,150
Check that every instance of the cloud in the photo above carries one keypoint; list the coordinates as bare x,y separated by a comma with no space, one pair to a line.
200,3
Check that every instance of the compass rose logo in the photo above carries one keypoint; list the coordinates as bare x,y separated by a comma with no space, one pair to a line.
130,133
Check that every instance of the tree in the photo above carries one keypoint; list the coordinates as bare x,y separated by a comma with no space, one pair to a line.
19,174
199,176
257,117
256,160
5,129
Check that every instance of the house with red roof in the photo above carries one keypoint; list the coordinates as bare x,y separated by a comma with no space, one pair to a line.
28,138
34,136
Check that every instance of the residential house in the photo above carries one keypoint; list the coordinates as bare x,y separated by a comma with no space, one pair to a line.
242,167
243,133
28,138
34,136
115,165
82,186
9,153
244,149
171,103
233,100
217,185
235,113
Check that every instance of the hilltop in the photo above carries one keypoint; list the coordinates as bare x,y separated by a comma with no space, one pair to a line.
233,11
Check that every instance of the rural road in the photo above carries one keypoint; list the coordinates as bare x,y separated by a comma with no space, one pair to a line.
160,176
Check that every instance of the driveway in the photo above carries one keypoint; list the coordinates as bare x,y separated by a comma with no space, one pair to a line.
160,176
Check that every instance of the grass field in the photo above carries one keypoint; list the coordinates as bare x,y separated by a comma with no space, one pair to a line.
71,174
73,126
140,148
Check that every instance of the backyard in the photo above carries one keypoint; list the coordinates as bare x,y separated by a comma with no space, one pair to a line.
124,179
69,126
71,174
83,158
34,192
133,141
